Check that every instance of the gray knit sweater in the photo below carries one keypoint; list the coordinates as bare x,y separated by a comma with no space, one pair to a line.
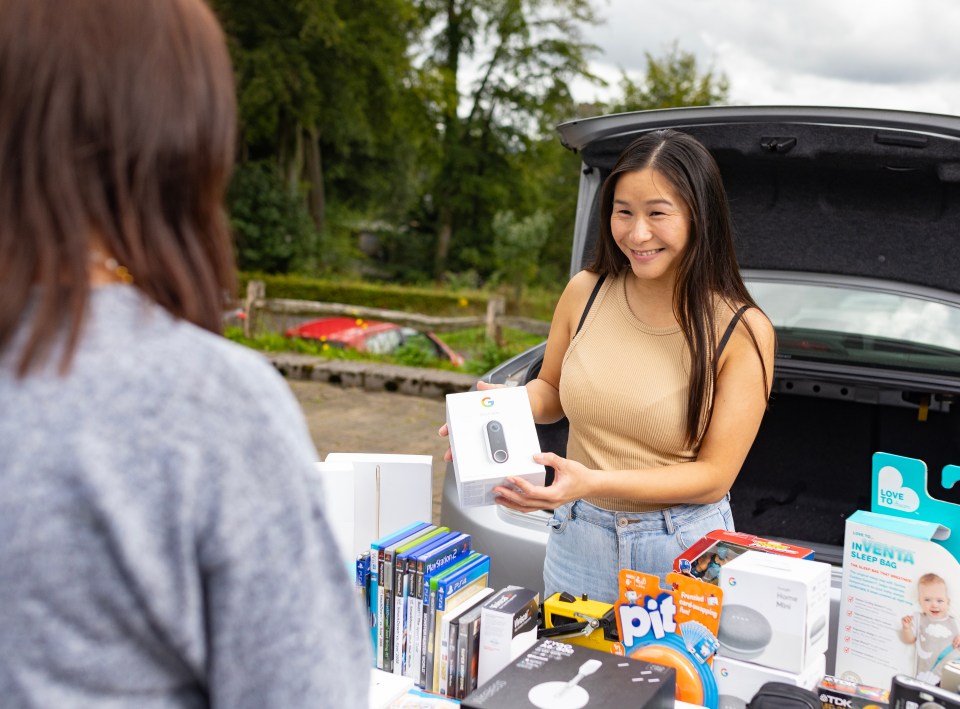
159,546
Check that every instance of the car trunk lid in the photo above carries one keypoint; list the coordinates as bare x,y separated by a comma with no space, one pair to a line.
854,192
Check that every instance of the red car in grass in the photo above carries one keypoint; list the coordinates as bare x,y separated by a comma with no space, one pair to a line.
373,336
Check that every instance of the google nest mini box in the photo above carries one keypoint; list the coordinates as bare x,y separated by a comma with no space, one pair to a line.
775,610
492,436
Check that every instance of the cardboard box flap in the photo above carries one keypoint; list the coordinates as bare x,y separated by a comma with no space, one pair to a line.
918,529
900,489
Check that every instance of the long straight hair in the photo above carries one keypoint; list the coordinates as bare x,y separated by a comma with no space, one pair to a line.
708,266
117,128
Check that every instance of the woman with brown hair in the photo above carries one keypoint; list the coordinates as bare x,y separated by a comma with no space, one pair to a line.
662,362
158,542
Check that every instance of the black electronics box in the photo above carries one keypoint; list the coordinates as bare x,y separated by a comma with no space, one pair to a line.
909,693
555,674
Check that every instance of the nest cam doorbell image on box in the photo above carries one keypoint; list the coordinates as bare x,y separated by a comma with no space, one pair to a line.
492,436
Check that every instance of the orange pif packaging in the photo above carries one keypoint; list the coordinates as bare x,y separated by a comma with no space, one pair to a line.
675,626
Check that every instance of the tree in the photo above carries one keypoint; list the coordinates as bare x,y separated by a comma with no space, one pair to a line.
671,81
516,248
527,51
324,90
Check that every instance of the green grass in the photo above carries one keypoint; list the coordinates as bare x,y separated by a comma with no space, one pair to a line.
483,355
480,353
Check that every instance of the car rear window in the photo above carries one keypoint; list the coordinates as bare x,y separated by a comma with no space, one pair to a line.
857,326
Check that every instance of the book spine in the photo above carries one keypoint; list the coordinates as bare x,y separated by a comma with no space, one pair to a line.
472,658
362,574
363,585
429,621
387,611
411,662
424,636
399,604
448,661
376,609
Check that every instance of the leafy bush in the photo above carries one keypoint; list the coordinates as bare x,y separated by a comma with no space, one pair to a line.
272,228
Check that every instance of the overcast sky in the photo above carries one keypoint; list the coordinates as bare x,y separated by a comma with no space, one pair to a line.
875,53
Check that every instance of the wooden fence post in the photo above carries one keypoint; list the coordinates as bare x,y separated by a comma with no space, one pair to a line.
496,307
256,292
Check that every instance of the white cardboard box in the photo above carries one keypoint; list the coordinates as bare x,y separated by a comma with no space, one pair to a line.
508,626
738,681
389,491
884,559
775,610
335,486
492,436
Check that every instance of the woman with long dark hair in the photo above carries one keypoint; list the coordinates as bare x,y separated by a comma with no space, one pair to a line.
159,546
665,382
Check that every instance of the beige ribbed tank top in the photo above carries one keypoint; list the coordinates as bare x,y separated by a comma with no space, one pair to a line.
623,387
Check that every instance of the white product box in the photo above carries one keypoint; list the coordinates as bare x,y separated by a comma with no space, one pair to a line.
492,436
508,626
775,610
738,681
898,560
388,492
334,485
884,559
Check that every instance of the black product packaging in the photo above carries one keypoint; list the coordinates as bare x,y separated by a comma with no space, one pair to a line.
554,674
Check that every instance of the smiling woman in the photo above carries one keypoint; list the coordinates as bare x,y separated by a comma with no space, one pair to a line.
661,362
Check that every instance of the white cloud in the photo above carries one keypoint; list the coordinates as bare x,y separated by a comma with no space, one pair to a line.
879,53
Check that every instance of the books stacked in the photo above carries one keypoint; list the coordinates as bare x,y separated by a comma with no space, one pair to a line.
423,586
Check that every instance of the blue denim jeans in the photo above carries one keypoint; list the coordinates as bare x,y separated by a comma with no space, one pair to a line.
589,545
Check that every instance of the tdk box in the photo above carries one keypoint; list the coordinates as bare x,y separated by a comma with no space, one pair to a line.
492,436
775,610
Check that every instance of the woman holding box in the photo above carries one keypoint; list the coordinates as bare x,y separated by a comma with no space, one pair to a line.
664,381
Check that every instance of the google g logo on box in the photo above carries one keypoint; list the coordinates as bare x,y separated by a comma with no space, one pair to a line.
731,581
486,401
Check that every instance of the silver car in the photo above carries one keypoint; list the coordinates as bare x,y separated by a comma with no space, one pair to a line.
848,232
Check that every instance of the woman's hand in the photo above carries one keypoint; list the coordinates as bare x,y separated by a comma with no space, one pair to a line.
571,482
444,432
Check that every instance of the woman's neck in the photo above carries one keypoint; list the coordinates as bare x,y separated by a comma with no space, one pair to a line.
650,301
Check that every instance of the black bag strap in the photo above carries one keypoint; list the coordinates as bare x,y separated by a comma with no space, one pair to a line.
593,296
780,695
729,331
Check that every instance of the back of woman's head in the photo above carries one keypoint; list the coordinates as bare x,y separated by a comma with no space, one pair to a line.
117,135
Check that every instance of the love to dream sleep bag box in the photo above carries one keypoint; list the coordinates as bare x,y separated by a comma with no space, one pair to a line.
492,436
900,600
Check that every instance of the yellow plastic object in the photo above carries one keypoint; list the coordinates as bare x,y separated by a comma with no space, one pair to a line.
557,613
